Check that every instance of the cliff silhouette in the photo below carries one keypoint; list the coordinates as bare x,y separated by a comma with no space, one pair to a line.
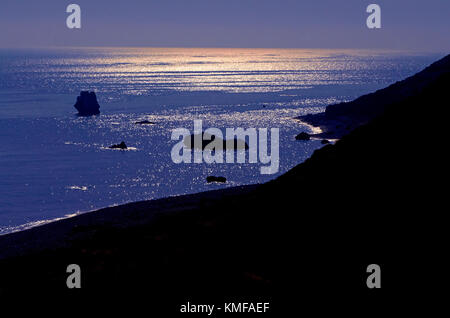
340,119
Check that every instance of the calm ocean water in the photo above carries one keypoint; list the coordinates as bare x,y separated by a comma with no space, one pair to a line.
54,164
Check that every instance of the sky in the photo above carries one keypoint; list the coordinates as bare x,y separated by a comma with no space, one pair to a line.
417,25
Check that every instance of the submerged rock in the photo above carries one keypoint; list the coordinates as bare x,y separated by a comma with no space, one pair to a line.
216,179
303,136
237,144
87,104
122,145
145,122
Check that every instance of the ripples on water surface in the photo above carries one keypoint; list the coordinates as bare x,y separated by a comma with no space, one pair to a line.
54,164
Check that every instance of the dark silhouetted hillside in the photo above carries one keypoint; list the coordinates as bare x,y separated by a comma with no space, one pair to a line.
339,119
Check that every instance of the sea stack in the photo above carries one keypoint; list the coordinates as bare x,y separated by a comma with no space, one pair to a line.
87,104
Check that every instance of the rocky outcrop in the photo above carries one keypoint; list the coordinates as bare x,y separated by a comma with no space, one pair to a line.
236,145
87,104
211,179
303,136
145,122
122,146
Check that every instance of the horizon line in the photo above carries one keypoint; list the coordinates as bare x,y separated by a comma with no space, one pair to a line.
223,47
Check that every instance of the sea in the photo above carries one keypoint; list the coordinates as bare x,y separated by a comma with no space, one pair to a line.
55,164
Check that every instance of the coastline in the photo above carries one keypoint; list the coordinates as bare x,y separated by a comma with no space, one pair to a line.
105,177
340,119
367,198
59,234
